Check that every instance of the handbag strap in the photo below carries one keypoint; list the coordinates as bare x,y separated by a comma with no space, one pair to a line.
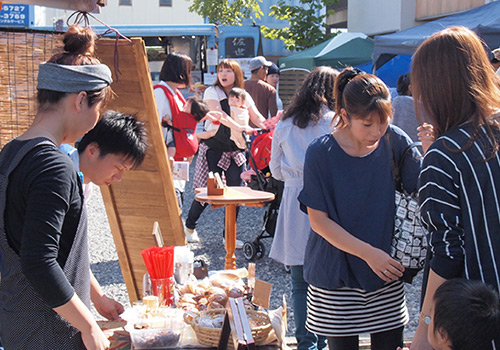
395,166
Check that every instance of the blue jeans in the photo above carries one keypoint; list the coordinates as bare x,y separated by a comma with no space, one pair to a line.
305,339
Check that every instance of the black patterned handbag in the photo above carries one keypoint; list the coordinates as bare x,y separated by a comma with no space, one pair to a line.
409,239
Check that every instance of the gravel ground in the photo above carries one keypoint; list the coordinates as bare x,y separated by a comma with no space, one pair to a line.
106,267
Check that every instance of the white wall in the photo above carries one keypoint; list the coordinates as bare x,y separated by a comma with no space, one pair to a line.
380,16
141,12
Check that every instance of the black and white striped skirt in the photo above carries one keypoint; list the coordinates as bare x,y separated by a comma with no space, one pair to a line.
347,312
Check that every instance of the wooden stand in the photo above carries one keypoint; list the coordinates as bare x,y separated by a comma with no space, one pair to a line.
231,197
214,185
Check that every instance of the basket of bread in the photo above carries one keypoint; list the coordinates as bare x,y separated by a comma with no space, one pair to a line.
208,325
204,303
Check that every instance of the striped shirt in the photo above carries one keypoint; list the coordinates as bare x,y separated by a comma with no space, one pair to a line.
460,206
348,311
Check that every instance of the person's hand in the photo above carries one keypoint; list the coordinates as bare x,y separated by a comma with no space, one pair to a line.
385,267
95,339
109,308
426,135
271,122
247,129
171,160
166,121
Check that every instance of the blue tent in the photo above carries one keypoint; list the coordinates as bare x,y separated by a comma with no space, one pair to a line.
390,72
484,20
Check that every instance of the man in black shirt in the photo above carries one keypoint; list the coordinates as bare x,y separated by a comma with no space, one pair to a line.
116,144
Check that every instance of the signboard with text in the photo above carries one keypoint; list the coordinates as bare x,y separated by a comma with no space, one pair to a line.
238,47
16,15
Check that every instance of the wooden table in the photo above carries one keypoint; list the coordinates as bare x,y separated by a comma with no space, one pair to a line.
233,197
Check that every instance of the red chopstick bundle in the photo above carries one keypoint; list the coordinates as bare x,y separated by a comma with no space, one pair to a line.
159,261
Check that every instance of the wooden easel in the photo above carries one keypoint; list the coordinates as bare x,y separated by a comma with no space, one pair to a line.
146,194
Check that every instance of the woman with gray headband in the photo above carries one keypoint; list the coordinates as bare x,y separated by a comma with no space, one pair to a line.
47,285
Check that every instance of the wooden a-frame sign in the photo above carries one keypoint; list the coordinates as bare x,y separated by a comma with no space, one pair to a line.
145,194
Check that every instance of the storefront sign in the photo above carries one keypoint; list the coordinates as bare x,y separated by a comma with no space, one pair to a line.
15,15
240,47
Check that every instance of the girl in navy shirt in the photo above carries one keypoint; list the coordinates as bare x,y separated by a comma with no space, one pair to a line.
349,194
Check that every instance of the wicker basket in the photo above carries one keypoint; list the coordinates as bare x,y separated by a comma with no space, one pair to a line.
210,336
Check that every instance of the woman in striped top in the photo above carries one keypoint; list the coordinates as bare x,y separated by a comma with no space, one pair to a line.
354,285
460,178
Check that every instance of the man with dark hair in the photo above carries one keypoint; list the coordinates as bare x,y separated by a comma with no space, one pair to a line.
261,92
116,144
465,316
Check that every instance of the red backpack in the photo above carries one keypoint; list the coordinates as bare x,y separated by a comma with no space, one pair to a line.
184,126
261,150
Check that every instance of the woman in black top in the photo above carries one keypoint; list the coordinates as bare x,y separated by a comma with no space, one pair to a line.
46,280
219,153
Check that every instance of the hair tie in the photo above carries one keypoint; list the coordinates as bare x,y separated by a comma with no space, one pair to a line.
348,76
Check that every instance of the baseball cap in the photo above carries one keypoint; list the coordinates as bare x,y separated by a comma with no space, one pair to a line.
258,62
273,69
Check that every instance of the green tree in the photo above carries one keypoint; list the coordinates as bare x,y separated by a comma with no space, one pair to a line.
227,12
306,28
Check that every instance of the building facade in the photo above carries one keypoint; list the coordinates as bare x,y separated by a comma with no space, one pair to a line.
125,12
387,16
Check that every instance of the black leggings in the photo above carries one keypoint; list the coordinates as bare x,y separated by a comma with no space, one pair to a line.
232,179
388,340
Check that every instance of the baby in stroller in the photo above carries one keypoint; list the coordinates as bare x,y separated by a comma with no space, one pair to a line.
259,178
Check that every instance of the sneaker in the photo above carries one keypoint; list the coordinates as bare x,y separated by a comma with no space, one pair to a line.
191,235
239,244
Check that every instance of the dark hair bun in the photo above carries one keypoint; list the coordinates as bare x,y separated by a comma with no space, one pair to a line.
79,40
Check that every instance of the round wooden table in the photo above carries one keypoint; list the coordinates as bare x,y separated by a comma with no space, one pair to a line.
233,196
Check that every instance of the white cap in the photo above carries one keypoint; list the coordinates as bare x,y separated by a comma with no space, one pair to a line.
258,62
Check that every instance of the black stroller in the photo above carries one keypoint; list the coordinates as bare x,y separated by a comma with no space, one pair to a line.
260,154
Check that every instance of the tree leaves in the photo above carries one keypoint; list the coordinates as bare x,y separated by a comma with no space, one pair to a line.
306,23
224,12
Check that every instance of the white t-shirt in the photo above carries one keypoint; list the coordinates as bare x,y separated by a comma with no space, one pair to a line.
163,105
164,111
216,93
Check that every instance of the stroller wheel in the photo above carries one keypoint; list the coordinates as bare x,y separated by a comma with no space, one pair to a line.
261,249
249,250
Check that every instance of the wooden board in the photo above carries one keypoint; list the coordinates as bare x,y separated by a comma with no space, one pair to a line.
290,81
146,194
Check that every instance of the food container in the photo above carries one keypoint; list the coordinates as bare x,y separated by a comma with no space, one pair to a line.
154,329
154,338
